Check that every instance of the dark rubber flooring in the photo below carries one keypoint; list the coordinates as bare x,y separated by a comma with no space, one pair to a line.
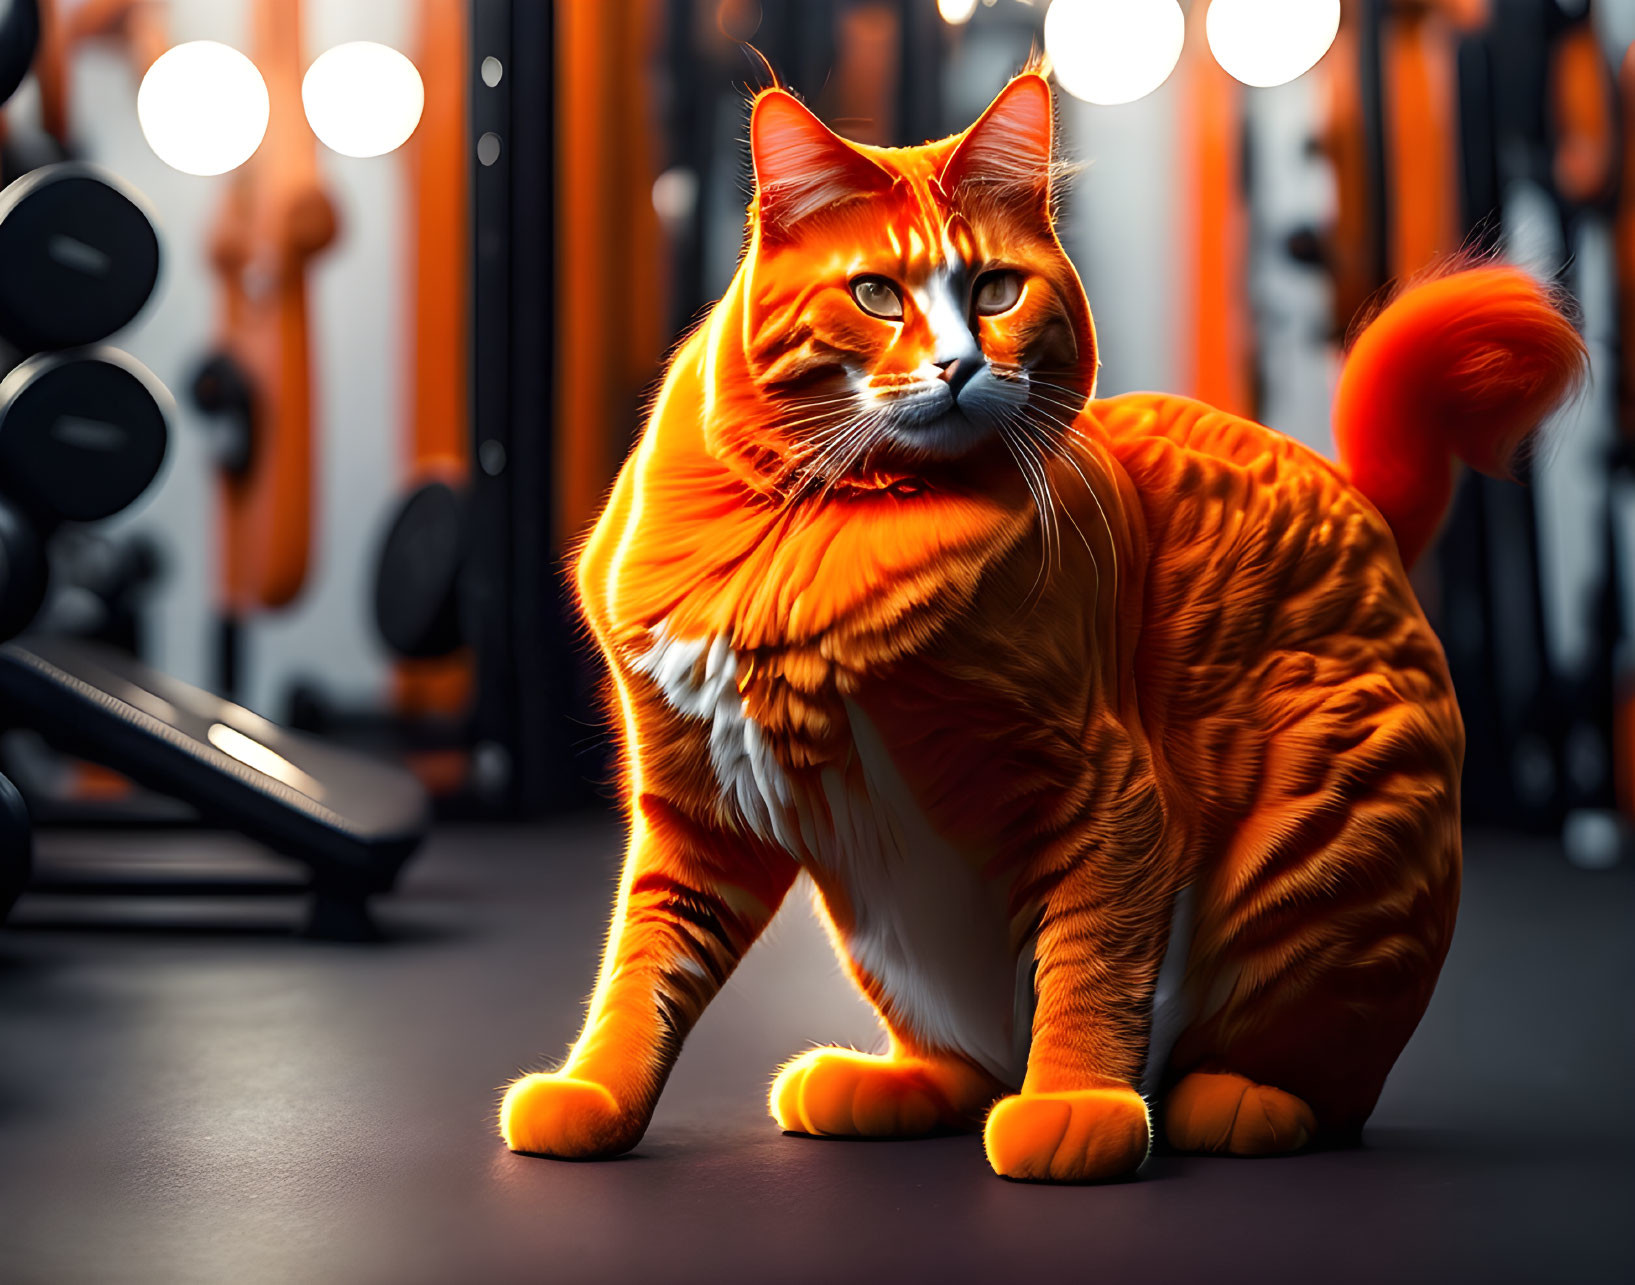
188,1092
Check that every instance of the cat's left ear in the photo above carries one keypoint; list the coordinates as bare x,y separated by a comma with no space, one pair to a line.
1006,154
802,166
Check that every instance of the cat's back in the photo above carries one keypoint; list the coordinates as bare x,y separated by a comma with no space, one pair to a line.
1151,433
1235,510
1273,588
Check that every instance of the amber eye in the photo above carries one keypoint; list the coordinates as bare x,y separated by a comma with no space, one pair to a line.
997,292
878,297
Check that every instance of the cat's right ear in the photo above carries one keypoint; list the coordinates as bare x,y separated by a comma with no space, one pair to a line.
1006,154
801,166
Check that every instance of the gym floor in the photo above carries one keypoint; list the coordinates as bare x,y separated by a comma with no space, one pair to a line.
190,1092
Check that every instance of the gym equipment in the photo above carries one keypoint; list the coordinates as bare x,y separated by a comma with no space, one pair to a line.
420,605
23,570
353,822
417,581
418,578
16,845
100,582
221,389
275,218
81,434
435,678
81,257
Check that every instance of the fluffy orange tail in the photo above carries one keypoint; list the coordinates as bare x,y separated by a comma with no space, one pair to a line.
1460,367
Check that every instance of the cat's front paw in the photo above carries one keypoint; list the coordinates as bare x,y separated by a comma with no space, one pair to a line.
846,1094
557,1115
1086,1135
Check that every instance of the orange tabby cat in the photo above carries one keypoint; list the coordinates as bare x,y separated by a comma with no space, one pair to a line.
1110,732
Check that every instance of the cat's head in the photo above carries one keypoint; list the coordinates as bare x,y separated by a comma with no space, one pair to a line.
904,306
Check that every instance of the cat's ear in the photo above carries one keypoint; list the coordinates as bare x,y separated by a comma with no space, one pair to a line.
801,166
1005,156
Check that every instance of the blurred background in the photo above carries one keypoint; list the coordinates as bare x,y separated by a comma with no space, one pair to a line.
420,261
324,326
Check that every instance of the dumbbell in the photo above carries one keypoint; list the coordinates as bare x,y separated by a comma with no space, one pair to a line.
82,434
78,257
82,429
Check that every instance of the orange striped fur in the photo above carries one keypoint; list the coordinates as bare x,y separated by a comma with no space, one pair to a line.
1110,732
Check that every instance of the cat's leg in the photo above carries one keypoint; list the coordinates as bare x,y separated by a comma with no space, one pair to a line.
1079,1116
841,1093
1316,964
691,902
906,1092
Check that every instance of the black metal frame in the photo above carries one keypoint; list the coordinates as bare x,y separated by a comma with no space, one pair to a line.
535,685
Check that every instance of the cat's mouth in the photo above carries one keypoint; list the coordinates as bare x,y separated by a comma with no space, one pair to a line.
947,434
938,424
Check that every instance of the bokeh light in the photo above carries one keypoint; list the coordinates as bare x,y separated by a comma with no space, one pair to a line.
1270,42
362,99
1113,51
203,107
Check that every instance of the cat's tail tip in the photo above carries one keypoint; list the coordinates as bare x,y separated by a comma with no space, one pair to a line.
1463,366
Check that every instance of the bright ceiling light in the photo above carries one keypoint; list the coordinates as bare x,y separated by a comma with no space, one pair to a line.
956,11
1113,51
1270,42
362,99
203,107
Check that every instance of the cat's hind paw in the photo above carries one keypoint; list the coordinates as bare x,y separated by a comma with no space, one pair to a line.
845,1094
570,1119
1228,1114
1085,1135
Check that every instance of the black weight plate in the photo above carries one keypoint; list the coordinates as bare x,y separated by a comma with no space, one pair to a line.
81,434
78,257
417,578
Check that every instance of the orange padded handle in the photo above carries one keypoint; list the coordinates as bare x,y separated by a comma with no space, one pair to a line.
275,219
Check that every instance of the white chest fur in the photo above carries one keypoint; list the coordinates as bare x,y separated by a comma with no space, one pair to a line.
925,924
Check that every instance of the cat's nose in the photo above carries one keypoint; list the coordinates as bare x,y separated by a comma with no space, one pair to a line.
957,373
